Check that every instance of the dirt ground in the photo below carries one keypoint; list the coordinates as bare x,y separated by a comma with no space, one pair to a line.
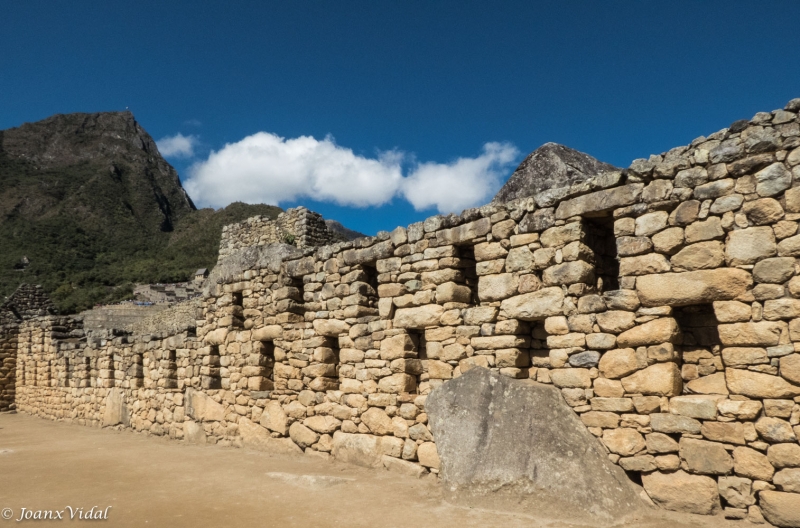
47,465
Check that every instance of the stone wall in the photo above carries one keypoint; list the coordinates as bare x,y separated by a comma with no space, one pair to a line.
8,366
663,301
299,227
28,300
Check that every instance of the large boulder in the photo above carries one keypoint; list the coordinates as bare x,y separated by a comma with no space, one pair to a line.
116,411
517,444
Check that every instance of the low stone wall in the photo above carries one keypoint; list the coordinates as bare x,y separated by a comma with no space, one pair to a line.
8,366
663,301
299,227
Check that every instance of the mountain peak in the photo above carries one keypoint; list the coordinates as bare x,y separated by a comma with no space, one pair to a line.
548,167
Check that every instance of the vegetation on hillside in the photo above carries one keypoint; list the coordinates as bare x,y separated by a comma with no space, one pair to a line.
92,229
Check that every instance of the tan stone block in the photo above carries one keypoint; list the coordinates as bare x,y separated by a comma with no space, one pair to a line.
534,306
601,341
519,259
661,379
702,255
790,368
322,424
624,441
779,508
669,240
643,265
693,287
616,321
606,420
267,333
638,463
732,311
302,435
571,377
787,479
775,430
704,230
663,330
701,407
562,235
668,462
741,410
747,246
750,463
566,340
763,333
706,458
711,384
763,211
569,273
439,369
737,491
377,421
419,317
428,455
274,419
397,384
608,388
646,404
619,405
775,270
659,443
777,309
650,223
744,356
726,432
784,455
680,491
618,363
759,385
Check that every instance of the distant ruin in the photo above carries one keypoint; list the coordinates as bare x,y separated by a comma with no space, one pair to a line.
663,301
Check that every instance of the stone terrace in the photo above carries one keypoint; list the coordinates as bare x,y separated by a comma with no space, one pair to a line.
663,300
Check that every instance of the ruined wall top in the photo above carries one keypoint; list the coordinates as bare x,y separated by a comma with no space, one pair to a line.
27,301
299,227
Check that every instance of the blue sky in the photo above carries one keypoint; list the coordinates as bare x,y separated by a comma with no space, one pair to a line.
402,109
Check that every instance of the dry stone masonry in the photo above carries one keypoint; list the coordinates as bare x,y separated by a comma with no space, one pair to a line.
662,301
299,227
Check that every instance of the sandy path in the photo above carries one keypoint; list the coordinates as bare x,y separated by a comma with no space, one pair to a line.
156,482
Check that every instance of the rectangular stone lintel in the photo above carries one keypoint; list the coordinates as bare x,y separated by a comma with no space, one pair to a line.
600,201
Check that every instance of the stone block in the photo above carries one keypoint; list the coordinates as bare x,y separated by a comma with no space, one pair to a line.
419,317
748,246
680,491
705,458
759,385
693,287
780,508
750,463
661,379
497,287
534,306
492,429
663,330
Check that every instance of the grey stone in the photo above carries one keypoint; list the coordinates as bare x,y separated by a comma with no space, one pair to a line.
548,167
585,359
518,443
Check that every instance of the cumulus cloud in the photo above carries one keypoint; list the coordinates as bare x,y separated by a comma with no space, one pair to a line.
464,183
177,146
266,168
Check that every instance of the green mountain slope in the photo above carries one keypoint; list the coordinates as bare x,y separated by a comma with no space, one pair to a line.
94,207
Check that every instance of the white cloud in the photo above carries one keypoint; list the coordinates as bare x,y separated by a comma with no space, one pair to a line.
266,168
464,183
177,146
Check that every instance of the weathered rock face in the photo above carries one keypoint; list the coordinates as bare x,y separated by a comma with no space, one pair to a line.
551,166
499,438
